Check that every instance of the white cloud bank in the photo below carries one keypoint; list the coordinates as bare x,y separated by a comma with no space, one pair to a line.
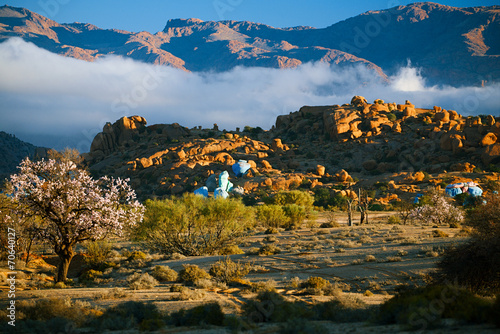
56,101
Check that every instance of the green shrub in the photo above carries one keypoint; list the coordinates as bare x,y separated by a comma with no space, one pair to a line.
190,273
98,253
394,220
89,276
271,216
297,197
193,225
227,271
136,255
296,216
164,274
203,315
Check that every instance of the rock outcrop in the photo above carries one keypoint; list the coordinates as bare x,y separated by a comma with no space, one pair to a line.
326,146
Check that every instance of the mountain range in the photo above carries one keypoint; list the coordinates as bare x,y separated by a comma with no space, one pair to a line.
452,46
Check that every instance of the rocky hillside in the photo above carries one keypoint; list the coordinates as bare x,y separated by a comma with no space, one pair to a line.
327,146
454,46
13,151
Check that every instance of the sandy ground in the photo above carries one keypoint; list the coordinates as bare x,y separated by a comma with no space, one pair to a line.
377,257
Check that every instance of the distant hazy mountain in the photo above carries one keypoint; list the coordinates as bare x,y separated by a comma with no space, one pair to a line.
454,46
13,151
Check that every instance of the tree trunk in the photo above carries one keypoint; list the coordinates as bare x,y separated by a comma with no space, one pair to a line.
362,217
349,214
28,251
65,255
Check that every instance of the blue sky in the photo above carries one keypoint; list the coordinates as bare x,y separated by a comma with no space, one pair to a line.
151,15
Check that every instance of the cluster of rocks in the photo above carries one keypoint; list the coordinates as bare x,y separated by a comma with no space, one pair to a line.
324,146
389,137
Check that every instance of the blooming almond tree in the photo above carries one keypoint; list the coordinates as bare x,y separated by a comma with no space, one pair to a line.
72,205
438,212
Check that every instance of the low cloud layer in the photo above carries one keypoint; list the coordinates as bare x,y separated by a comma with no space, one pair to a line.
55,101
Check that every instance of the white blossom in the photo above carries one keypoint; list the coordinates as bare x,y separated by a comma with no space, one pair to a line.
439,212
74,206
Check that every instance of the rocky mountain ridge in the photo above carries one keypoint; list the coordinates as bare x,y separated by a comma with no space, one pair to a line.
329,147
463,49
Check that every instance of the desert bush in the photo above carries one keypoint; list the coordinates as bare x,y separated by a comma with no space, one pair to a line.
315,282
439,234
402,252
323,198
114,293
270,239
129,315
357,262
208,314
425,308
270,306
271,216
269,285
296,215
476,264
193,226
231,250
98,253
227,271
269,250
370,258
136,255
186,293
271,230
395,220
190,273
54,325
139,281
89,276
44,310
298,325
319,286
364,239
164,274
342,309
293,283
297,197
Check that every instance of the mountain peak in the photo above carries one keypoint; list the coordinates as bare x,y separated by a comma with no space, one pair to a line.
195,45
180,23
